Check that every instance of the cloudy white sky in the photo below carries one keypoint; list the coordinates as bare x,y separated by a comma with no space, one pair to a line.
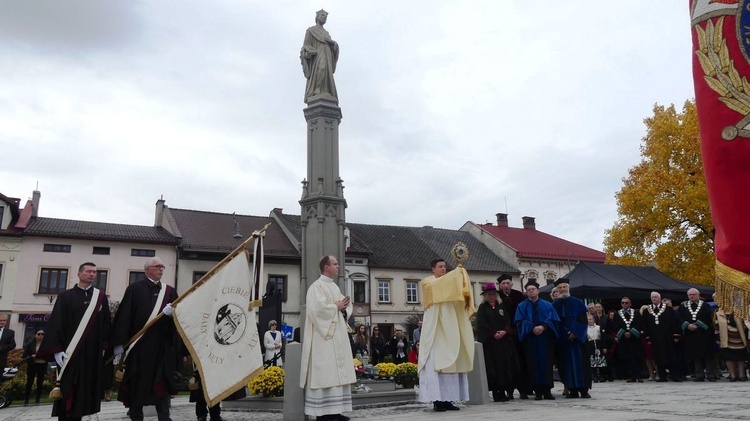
451,108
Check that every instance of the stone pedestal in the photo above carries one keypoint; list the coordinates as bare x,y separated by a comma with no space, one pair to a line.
479,393
294,396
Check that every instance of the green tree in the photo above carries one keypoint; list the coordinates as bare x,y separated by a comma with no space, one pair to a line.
663,210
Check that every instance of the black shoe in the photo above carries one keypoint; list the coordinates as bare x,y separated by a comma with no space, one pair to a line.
712,379
449,406
538,397
509,395
677,380
343,418
438,406
699,379
572,395
585,395
548,396
523,396
202,419
497,397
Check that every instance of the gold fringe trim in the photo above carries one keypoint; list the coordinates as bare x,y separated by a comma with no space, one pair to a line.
732,290
255,304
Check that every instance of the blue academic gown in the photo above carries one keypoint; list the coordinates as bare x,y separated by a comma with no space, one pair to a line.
574,364
538,350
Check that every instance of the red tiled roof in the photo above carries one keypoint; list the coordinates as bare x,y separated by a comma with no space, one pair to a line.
532,243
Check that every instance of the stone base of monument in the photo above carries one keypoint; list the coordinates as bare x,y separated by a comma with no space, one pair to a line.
378,386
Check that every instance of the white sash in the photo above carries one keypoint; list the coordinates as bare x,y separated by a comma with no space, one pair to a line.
152,316
79,331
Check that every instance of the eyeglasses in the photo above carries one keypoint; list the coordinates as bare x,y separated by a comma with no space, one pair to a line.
273,324
40,334
157,266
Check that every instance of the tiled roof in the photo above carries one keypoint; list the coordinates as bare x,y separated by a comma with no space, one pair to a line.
212,232
411,247
68,228
532,243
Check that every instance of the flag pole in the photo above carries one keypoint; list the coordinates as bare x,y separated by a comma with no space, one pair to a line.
198,283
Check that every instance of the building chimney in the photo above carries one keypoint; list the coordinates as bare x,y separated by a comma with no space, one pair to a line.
528,223
502,219
158,218
278,211
35,196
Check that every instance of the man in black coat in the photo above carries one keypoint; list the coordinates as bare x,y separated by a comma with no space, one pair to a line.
7,342
627,328
661,327
82,378
696,323
150,363
511,298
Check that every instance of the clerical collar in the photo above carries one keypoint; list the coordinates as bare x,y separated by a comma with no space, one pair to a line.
85,289
325,278
152,281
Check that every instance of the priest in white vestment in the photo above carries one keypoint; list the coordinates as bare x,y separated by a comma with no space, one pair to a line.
327,370
447,340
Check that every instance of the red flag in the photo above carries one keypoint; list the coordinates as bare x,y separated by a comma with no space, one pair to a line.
721,74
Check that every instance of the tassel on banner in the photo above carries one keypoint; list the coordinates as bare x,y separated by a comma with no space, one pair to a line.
732,290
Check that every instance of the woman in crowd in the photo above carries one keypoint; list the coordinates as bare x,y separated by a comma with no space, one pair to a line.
35,368
361,341
732,336
377,346
495,331
272,342
414,354
399,347
597,346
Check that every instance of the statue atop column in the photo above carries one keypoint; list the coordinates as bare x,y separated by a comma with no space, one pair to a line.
319,55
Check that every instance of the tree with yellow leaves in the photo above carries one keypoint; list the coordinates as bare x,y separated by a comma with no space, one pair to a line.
663,210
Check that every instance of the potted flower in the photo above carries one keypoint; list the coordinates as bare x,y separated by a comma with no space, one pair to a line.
269,383
406,375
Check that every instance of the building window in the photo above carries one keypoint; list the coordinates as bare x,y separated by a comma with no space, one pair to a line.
101,280
57,248
278,283
100,250
360,291
135,276
384,291
197,276
142,252
412,292
53,280
550,277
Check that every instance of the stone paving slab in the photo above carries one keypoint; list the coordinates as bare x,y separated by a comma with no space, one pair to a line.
614,401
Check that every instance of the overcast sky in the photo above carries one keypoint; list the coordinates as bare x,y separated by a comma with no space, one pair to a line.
451,108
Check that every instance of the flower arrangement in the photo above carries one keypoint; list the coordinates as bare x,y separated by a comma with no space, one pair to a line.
385,369
269,383
359,368
406,375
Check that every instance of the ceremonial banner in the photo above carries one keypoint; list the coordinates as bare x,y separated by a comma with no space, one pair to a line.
721,68
219,327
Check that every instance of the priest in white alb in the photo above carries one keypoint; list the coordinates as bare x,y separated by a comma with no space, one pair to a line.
327,371
447,340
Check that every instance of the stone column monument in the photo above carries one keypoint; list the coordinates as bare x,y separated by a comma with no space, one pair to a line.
322,201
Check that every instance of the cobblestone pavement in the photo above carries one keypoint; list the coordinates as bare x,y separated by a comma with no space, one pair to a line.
615,401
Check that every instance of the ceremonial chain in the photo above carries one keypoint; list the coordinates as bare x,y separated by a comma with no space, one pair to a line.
694,313
627,322
656,315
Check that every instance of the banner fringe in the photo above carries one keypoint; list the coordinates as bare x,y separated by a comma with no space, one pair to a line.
732,290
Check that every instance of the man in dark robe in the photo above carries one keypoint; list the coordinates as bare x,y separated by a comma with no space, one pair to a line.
696,320
495,331
536,322
511,298
82,380
574,363
626,326
661,327
7,342
150,363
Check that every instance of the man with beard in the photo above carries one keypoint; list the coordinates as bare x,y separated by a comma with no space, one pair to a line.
626,325
696,320
536,322
575,367
661,327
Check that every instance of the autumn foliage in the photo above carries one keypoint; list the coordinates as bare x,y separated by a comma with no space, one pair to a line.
663,210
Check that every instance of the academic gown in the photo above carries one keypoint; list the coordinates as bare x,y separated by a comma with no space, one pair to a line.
628,348
662,335
574,364
151,365
500,355
697,343
538,350
82,380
